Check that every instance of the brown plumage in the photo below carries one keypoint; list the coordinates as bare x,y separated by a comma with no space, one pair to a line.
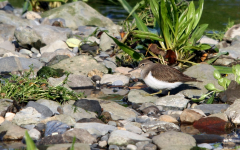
164,72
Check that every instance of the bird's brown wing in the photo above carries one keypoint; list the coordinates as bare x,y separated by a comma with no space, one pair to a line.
169,74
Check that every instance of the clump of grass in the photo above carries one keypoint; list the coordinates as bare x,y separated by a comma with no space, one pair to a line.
219,35
27,87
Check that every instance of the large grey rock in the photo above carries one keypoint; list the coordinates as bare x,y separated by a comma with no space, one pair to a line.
11,19
173,139
117,111
52,105
83,14
12,64
233,112
123,138
41,35
177,102
233,50
76,112
26,116
138,96
13,132
159,126
95,128
44,110
197,89
80,65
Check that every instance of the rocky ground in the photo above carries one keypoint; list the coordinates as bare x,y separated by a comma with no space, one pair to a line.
148,123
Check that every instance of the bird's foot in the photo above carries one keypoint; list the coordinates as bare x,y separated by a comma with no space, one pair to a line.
159,92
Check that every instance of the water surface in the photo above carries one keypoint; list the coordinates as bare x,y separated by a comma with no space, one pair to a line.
216,12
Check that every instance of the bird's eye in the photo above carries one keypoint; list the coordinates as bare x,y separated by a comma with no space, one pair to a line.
143,65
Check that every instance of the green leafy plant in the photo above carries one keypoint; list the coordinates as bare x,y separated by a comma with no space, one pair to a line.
222,81
177,29
25,87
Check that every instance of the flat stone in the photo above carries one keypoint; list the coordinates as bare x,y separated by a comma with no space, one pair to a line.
26,116
52,105
59,44
77,146
117,111
159,126
89,105
172,102
190,116
212,108
76,112
137,96
55,57
197,89
44,110
123,138
81,134
173,139
80,65
11,64
109,78
95,128
41,35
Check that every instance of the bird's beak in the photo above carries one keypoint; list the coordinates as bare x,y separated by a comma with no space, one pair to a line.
133,69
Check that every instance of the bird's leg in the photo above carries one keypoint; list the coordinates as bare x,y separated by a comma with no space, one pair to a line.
159,92
168,92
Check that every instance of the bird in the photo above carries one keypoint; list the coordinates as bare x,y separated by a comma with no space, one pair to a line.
162,77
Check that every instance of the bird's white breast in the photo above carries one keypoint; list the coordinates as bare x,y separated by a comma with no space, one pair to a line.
159,85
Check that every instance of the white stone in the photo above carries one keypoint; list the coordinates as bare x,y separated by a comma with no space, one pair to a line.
102,143
109,78
9,116
34,134
59,44
131,147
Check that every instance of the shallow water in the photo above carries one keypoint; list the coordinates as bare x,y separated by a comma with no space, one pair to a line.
216,12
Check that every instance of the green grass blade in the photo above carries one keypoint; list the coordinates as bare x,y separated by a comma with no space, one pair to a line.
29,142
198,13
154,5
141,26
223,69
190,15
216,57
127,49
164,25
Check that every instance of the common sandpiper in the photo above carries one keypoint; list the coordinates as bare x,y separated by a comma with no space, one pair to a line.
162,77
